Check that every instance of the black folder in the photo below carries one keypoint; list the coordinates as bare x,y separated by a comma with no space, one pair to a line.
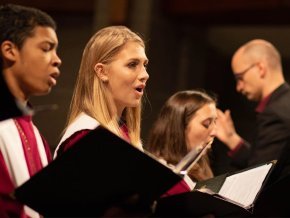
99,171
272,201
198,203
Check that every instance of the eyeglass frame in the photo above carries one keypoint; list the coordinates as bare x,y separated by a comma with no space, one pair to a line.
239,76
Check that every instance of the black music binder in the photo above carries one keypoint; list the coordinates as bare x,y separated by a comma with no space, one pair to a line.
98,172
219,196
197,204
272,201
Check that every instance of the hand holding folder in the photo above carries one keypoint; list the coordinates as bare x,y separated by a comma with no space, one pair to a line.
225,195
243,187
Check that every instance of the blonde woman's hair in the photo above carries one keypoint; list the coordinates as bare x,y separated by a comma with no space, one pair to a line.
91,95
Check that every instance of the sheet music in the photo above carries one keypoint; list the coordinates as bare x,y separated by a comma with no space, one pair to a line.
243,187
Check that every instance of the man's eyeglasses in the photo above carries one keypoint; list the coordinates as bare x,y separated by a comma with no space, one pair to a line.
239,76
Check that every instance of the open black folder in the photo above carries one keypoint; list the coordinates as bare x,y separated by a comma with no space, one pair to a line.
101,170
232,194
272,201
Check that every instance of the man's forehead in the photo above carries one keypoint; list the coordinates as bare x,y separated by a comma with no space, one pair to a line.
44,34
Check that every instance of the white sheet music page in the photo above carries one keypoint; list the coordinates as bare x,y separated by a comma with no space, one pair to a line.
244,186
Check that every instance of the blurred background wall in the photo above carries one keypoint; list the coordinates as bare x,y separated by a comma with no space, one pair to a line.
189,45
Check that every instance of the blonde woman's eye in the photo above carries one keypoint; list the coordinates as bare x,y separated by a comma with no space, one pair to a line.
132,64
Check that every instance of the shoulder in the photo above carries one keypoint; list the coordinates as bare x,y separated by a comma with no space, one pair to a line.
8,129
81,124
281,93
6,124
278,109
69,142
280,98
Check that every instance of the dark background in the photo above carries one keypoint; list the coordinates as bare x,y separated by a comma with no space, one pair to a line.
189,45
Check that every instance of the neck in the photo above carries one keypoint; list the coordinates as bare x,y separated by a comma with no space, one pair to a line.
14,87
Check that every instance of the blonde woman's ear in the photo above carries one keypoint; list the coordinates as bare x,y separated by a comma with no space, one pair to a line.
101,72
